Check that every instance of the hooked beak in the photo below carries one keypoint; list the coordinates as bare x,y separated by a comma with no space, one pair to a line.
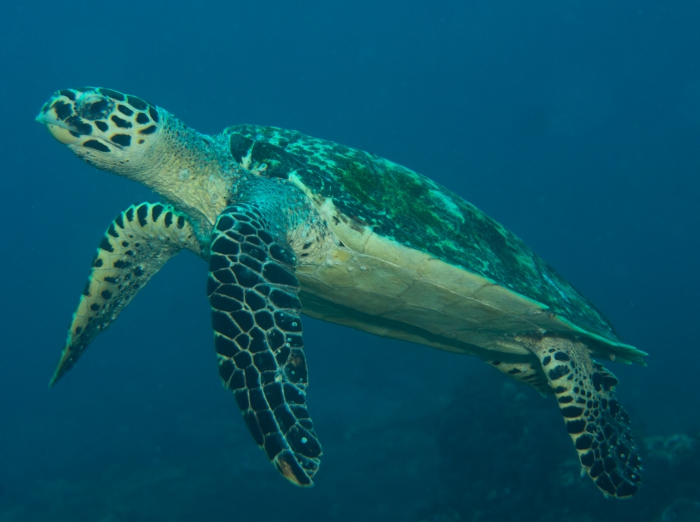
60,117
58,129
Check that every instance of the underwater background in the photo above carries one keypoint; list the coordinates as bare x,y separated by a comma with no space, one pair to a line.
574,123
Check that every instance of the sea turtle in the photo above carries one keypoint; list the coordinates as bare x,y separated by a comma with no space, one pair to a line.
292,224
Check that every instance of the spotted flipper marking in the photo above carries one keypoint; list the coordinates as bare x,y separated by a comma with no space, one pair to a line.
527,372
255,314
136,245
595,420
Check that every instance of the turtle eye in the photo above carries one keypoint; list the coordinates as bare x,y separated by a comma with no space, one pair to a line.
96,108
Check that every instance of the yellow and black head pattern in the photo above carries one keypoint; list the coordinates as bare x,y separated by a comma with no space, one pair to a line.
96,120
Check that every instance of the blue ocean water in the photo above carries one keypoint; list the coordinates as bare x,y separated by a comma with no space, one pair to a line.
575,124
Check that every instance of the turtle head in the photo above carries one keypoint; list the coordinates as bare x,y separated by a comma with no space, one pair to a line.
127,136
106,128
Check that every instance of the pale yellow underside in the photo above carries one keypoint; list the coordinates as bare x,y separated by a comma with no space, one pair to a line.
380,286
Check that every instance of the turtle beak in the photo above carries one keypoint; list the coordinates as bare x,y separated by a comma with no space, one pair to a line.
60,118
59,130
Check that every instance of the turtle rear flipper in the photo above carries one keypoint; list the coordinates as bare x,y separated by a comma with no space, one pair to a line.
135,247
595,420
528,372
256,318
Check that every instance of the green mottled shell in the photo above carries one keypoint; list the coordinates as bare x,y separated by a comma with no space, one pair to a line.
400,204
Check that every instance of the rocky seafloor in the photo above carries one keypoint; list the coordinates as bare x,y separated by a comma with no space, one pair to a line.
482,452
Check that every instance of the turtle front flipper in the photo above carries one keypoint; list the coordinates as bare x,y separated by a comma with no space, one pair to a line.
136,245
595,420
256,318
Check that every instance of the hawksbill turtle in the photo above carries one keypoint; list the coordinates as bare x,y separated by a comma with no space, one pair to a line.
291,224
